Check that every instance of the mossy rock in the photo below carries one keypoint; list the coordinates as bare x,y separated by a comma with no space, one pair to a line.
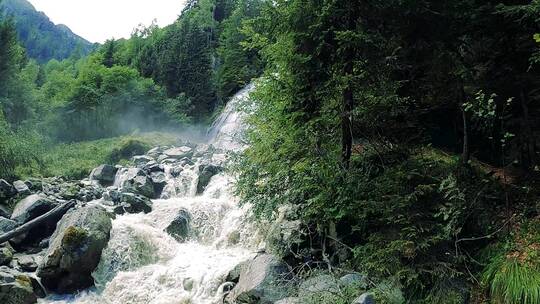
74,237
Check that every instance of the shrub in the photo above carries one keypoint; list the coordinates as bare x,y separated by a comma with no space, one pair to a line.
513,275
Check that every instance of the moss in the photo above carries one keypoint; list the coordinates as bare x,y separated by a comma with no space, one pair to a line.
74,237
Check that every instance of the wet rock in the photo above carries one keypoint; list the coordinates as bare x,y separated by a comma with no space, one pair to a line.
155,152
6,225
6,254
17,288
133,203
7,191
203,150
27,262
21,188
4,212
160,181
32,207
141,160
234,274
205,174
179,227
365,298
176,171
179,152
317,286
75,249
137,181
153,166
260,281
112,194
104,174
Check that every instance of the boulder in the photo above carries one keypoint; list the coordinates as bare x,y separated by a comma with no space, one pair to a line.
141,160
27,262
137,181
179,152
6,254
4,212
179,227
27,210
21,188
7,191
32,207
365,298
104,174
159,180
234,274
75,249
260,281
6,225
18,288
205,174
133,203
203,150
153,166
319,285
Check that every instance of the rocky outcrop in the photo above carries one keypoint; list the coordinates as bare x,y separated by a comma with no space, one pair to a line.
18,288
104,174
260,281
179,227
75,249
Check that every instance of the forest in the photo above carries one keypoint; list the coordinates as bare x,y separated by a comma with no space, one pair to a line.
400,139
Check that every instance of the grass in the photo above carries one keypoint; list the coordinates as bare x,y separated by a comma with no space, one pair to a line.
76,160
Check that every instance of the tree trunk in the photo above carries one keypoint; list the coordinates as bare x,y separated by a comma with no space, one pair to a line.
466,154
528,150
57,211
346,128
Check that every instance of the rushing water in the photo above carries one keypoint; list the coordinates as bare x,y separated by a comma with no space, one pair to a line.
143,264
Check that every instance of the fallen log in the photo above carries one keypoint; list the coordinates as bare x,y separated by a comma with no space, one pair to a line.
57,211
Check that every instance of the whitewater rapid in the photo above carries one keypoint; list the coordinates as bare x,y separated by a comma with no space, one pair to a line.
143,264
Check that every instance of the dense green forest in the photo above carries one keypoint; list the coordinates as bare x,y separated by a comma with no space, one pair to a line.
42,39
404,134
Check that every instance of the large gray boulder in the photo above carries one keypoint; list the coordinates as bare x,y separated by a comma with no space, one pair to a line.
179,227
160,181
17,288
27,210
206,172
260,281
104,174
31,207
75,249
7,191
21,188
141,160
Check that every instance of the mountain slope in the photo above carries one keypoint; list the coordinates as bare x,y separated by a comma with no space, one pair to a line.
42,39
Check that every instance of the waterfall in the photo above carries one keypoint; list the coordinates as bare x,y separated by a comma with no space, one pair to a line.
143,264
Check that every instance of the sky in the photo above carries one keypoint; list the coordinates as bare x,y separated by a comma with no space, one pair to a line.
99,20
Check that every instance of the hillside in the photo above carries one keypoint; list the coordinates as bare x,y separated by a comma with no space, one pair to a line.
42,39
